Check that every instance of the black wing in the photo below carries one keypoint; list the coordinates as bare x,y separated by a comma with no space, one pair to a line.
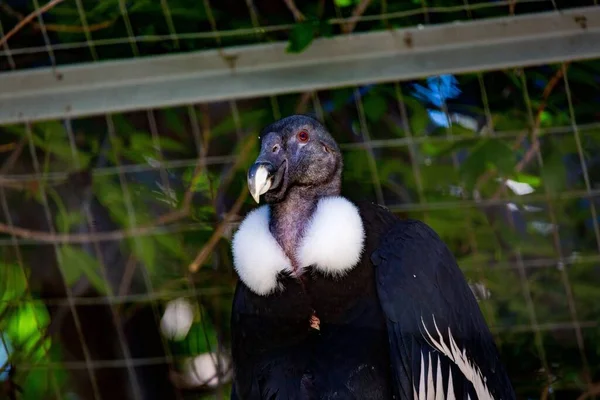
439,340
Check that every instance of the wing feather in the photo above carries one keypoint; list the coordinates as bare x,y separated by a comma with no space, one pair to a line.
432,316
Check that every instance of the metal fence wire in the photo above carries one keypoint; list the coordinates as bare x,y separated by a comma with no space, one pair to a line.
126,128
64,32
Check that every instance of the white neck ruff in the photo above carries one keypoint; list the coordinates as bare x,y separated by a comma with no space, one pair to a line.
333,243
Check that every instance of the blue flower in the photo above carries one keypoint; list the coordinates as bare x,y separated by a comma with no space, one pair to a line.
438,90
4,352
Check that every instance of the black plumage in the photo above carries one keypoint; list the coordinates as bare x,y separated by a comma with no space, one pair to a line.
380,320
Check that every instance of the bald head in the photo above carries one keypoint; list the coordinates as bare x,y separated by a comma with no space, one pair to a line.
296,152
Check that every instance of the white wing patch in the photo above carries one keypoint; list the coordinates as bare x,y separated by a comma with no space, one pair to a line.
333,243
427,390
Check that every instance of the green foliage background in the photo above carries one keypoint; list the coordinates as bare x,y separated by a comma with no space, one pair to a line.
541,268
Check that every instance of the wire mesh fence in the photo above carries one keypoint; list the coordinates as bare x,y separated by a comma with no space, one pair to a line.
65,32
116,270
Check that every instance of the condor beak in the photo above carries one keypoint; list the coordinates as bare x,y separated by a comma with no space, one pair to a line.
260,179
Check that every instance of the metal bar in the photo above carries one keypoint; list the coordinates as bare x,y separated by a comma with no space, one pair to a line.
266,69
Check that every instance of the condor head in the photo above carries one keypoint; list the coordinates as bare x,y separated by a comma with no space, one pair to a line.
295,152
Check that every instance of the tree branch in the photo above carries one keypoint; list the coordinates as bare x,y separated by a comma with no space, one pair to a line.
28,19
218,233
58,28
550,86
593,390
358,11
10,161
44,236
298,16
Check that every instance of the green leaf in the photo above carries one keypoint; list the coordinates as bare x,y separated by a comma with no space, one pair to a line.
13,283
534,181
200,339
142,6
195,13
25,328
356,170
546,118
248,119
17,130
510,120
554,174
173,245
418,116
103,8
110,196
437,176
343,3
54,140
39,381
167,143
375,107
65,220
515,77
143,145
577,74
174,122
200,183
144,248
141,141
449,226
446,149
75,262
390,166
340,96
489,152
301,36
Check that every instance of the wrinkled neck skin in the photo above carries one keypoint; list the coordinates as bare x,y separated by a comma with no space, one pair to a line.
290,217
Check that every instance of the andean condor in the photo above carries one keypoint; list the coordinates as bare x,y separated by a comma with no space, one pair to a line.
343,300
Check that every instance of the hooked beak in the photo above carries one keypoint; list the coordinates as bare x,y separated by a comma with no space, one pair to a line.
260,179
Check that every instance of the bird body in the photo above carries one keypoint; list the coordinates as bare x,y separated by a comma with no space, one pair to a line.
273,340
396,318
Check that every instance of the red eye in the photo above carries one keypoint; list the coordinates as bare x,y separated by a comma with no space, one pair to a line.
303,136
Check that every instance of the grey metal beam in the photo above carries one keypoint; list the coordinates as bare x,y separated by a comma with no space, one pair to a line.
259,70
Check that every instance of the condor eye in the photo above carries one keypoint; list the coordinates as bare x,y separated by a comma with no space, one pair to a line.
303,136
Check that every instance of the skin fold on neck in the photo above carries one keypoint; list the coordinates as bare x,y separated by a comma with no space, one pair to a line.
290,217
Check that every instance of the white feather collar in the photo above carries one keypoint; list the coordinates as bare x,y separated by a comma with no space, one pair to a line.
333,243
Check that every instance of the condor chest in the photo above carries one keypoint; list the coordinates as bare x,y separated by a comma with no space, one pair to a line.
336,281
334,298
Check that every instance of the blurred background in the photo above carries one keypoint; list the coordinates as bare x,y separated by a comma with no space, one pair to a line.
127,126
